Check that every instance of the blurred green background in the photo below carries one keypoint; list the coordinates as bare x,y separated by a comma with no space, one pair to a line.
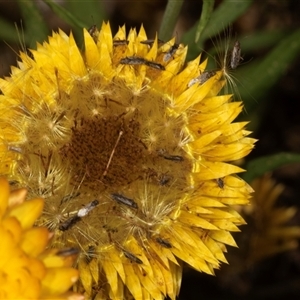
268,81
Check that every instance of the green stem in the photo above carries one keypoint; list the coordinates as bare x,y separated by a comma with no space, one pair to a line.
170,18
66,15
207,8
263,164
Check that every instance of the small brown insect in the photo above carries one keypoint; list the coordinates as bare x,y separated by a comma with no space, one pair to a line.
90,253
124,200
235,55
163,153
171,52
154,65
151,41
173,157
220,183
132,60
94,32
67,252
202,78
164,179
14,149
164,243
132,257
135,60
69,223
120,42
87,208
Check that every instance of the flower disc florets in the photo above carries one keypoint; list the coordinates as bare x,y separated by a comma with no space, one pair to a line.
129,148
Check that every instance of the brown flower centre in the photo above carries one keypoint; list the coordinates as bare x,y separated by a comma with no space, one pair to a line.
107,150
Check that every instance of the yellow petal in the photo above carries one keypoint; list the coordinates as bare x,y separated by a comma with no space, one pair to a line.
59,280
28,212
4,193
35,240
17,196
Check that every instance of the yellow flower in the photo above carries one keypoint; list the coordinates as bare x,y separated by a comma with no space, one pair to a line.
27,271
270,231
131,149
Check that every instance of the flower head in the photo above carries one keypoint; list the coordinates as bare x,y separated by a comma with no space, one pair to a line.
271,232
27,271
131,149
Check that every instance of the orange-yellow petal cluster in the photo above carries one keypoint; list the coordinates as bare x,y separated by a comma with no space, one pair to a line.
27,270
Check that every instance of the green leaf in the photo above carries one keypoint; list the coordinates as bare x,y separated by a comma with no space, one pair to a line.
66,15
227,12
261,39
262,75
255,77
169,19
251,43
207,9
8,32
259,166
35,26
91,13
